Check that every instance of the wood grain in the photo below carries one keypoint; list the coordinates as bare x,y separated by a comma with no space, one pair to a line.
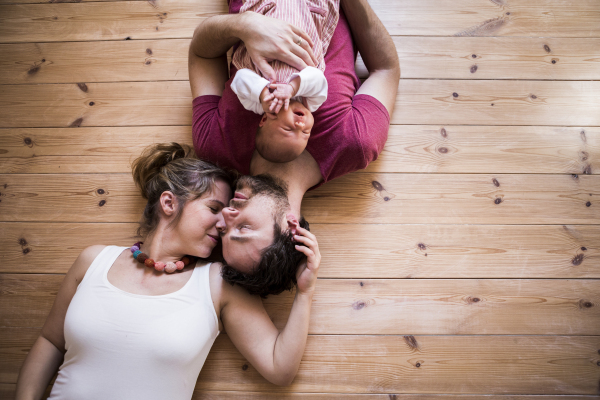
465,198
7,390
355,198
388,307
572,103
497,102
140,20
345,364
117,20
401,251
420,58
410,148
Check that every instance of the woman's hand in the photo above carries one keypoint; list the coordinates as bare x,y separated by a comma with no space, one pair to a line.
268,39
307,272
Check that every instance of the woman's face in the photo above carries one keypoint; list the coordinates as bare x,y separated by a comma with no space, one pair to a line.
197,229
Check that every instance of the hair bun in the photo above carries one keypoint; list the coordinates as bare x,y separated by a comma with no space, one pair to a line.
149,165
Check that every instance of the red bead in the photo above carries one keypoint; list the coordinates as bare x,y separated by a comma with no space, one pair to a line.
142,257
180,265
149,263
186,260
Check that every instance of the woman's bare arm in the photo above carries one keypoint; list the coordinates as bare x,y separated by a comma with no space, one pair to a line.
46,355
276,355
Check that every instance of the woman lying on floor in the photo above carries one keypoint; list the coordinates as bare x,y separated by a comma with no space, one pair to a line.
140,327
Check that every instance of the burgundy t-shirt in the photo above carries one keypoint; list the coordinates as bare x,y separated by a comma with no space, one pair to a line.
349,131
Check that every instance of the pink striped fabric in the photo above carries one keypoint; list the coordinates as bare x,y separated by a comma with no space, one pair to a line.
318,18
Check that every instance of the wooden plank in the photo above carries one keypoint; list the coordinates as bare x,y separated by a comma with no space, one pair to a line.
420,57
483,149
495,58
7,390
60,22
440,199
110,61
387,307
215,395
387,364
497,102
82,150
410,148
140,20
484,102
358,198
453,251
447,364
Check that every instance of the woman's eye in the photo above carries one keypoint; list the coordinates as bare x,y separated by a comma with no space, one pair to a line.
214,210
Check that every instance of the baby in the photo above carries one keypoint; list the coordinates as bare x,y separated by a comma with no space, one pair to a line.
287,104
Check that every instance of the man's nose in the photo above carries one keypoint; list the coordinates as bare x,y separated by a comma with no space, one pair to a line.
229,214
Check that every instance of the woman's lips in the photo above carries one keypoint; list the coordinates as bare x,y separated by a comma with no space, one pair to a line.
214,239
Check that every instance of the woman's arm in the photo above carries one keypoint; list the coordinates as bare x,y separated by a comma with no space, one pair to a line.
265,38
276,355
46,355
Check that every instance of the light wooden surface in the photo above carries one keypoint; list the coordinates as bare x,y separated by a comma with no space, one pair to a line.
410,148
463,263
421,58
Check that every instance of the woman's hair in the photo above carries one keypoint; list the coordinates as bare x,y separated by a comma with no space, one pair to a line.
172,167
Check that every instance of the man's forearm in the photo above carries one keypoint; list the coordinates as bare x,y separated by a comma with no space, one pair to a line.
215,35
372,39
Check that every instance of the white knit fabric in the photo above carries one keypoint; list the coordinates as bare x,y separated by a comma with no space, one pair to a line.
122,345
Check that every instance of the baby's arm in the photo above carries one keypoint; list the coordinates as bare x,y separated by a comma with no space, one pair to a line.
249,88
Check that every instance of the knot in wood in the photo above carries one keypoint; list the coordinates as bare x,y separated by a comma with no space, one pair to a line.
28,141
422,246
588,204
359,305
533,96
495,182
83,87
444,133
100,191
245,367
92,103
443,150
577,260
418,364
553,61
498,200
455,95
378,186
26,250
473,69
411,342
474,55
23,242
149,51
547,48
585,304
583,248
102,202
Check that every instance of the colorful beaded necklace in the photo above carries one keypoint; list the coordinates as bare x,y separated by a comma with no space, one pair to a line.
169,267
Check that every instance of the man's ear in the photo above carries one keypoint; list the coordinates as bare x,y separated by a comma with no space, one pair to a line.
292,223
168,203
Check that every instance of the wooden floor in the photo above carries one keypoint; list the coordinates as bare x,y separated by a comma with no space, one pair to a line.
465,261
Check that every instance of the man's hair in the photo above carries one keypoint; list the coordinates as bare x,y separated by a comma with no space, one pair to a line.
276,270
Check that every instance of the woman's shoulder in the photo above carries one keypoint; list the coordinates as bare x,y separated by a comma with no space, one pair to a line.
84,260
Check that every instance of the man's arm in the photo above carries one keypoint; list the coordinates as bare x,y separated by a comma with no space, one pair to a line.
377,50
265,38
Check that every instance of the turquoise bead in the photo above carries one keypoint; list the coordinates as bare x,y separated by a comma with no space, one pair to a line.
136,253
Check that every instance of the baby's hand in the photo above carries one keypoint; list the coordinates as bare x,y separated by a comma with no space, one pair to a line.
281,95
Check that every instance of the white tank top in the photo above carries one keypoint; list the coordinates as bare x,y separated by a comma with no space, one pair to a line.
122,345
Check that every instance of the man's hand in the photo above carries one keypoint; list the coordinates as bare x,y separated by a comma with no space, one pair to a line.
307,272
268,39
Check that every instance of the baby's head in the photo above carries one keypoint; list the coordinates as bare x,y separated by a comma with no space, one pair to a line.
282,138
